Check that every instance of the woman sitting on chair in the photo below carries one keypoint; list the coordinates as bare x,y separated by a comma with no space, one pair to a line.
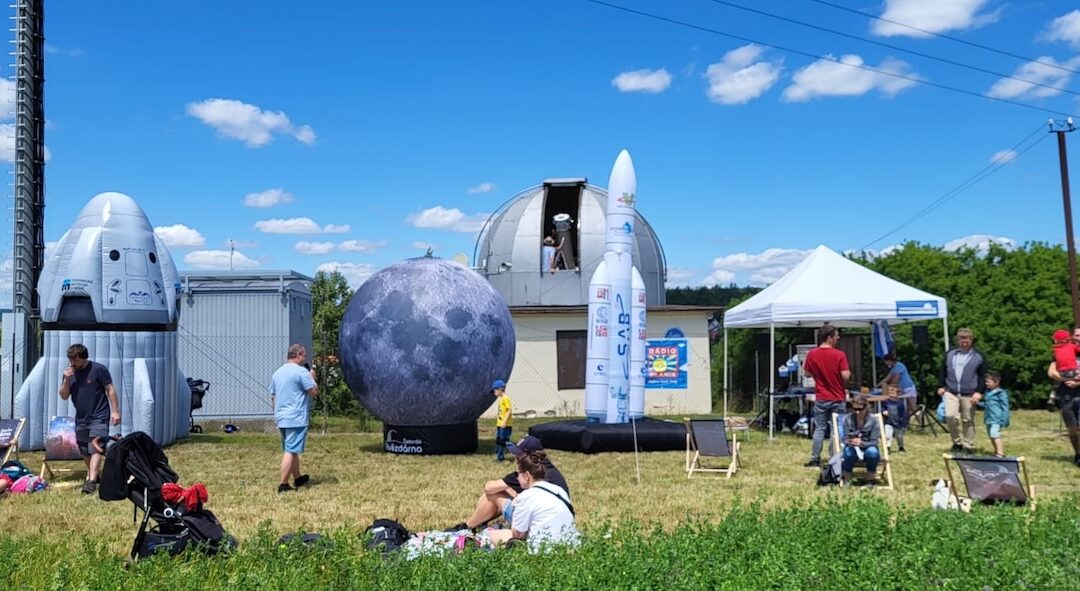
861,434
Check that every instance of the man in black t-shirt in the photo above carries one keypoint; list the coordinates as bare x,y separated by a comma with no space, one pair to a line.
90,388
497,494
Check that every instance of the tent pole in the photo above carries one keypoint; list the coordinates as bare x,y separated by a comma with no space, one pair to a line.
772,373
725,386
946,321
873,356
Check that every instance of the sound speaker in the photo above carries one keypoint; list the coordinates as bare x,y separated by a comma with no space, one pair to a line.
920,335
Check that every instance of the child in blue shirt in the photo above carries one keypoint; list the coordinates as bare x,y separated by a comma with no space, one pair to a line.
996,404
895,412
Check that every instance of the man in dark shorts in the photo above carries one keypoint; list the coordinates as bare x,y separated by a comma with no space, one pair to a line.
1067,393
495,500
90,388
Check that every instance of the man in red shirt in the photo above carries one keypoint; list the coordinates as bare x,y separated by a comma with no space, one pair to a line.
829,368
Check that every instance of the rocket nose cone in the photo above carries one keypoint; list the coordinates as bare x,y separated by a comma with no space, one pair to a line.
106,205
622,173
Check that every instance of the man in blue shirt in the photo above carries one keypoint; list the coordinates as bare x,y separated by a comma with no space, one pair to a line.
291,389
90,387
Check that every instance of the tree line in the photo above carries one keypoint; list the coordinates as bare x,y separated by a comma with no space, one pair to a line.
1012,298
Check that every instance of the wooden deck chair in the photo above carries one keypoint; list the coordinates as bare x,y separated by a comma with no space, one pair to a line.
10,430
709,438
885,464
990,480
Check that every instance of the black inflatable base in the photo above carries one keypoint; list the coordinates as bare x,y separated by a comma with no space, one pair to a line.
432,440
591,438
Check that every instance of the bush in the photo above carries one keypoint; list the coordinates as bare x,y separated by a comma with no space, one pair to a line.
862,543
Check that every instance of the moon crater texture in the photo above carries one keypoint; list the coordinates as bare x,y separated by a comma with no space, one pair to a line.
422,340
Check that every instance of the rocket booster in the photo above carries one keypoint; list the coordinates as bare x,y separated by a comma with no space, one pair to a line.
637,346
596,352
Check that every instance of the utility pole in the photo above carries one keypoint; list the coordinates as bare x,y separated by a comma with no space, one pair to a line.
1061,128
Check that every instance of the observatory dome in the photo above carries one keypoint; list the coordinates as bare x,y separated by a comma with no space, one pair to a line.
508,250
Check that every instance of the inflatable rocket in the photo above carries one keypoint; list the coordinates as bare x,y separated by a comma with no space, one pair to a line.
111,285
615,346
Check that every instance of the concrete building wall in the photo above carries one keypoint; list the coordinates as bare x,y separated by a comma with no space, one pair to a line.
533,384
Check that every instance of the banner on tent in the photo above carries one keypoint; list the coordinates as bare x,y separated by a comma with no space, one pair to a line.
666,363
916,309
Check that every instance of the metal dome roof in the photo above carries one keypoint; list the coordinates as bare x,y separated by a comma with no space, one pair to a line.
508,250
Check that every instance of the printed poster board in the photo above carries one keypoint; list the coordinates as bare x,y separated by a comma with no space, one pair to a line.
666,363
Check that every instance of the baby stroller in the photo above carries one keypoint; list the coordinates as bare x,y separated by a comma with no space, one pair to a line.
136,469
198,390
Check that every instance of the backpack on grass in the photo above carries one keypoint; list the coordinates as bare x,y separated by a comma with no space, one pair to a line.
386,535
832,471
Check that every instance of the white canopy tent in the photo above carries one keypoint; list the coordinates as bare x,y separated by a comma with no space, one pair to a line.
828,288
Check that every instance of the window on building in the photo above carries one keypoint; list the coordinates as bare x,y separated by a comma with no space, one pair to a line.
570,357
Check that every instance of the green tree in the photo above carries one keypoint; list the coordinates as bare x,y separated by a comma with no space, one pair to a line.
330,295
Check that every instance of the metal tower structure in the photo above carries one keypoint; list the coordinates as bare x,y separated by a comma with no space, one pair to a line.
21,338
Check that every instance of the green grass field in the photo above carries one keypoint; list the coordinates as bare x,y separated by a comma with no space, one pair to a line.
354,482
769,527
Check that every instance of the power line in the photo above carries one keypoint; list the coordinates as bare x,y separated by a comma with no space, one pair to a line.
996,165
829,58
888,45
944,36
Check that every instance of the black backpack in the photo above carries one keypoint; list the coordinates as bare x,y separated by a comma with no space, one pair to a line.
386,535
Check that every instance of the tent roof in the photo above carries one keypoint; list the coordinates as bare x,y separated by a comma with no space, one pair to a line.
827,287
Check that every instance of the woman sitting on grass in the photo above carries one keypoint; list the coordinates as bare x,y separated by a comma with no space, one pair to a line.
861,434
542,513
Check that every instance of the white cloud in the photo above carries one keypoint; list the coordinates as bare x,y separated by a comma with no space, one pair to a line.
7,144
268,198
314,247
644,80
180,236
482,188
761,268
298,226
354,273
240,244
7,99
845,78
448,219
218,259
935,16
980,242
361,246
741,76
248,123
679,277
1043,73
1065,28
1004,157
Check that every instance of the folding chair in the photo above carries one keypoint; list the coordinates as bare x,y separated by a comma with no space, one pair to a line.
10,430
989,479
885,464
708,438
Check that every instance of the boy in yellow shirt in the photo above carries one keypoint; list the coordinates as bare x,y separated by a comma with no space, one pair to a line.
502,424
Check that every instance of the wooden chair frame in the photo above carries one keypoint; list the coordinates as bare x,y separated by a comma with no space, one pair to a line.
693,463
1022,477
13,446
886,461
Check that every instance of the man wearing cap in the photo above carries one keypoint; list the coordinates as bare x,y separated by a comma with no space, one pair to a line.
502,424
497,494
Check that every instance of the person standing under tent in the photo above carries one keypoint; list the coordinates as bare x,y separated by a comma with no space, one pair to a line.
961,383
898,376
828,365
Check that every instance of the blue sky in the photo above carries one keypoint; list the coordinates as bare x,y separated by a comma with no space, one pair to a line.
351,135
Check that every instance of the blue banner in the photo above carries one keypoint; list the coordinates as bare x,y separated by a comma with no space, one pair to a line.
917,308
666,363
